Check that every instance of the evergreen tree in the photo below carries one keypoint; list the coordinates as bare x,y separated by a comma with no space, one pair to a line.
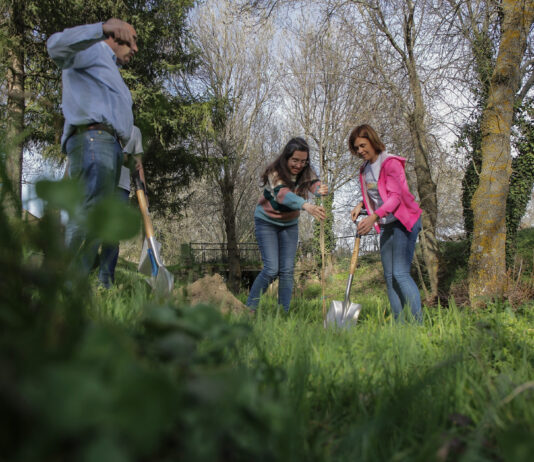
32,94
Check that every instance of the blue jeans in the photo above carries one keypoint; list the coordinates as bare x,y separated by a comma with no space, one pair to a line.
397,246
109,254
278,247
95,158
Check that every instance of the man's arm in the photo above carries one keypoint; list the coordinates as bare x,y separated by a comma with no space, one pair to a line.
64,46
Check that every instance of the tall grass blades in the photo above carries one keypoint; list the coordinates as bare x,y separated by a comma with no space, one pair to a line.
385,391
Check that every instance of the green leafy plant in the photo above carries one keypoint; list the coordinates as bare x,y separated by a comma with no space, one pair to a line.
77,386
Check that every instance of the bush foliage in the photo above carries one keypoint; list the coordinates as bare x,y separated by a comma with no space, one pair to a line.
76,387
118,375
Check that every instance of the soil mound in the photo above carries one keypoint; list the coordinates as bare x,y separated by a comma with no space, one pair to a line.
213,290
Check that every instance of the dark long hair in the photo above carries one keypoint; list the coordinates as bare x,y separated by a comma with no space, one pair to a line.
305,178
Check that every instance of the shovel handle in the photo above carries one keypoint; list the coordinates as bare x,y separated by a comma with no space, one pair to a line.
356,249
139,185
149,229
143,205
355,252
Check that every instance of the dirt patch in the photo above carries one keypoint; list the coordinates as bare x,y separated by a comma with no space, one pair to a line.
213,290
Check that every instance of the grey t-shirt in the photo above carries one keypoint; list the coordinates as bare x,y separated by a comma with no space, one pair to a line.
134,147
124,180
371,173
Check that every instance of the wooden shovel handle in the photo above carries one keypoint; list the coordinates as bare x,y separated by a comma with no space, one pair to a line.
355,252
143,206
323,261
356,249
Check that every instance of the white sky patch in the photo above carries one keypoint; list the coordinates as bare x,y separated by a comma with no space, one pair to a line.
36,168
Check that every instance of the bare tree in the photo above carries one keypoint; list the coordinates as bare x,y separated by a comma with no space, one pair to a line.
234,74
396,49
394,45
321,101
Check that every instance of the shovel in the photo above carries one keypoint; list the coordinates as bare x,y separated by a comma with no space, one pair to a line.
161,280
345,314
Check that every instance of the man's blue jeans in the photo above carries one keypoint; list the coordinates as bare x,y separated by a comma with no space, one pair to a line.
278,247
397,246
109,255
95,158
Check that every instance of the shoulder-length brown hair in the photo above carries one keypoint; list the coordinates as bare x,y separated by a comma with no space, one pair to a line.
304,179
368,132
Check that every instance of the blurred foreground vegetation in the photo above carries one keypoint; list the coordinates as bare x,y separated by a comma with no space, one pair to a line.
94,375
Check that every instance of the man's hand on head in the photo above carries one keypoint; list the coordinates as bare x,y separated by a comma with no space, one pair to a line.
121,31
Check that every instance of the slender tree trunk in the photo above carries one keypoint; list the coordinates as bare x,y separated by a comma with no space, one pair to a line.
420,274
15,108
323,231
428,199
234,264
487,262
416,122
425,185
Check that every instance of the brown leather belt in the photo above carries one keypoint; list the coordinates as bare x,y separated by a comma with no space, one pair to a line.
83,128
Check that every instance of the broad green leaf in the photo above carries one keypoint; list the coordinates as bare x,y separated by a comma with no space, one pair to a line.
66,194
112,221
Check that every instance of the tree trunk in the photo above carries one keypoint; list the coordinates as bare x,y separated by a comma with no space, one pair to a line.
428,199
15,109
323,231
487,262
425,185
478,34
234,265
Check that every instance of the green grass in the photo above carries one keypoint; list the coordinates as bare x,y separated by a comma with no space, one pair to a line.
450,389
150,379
384,391
459,387
124,303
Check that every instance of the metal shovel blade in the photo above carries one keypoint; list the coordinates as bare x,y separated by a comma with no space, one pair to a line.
147,261
343,316
163,282
160,278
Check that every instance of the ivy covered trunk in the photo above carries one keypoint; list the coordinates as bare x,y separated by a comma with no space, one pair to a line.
471,136
522,179
487,262
329,238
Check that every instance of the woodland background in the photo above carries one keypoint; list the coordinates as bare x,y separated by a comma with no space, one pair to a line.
121,375
220,86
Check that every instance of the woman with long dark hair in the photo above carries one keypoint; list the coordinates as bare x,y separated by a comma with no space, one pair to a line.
287,182
393,212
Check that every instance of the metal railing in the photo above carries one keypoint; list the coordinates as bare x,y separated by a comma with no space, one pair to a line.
217,252
369,243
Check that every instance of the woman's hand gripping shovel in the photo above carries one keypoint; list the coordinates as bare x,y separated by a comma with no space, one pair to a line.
161,280
345,314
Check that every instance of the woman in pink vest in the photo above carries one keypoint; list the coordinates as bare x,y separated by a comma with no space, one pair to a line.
393,212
